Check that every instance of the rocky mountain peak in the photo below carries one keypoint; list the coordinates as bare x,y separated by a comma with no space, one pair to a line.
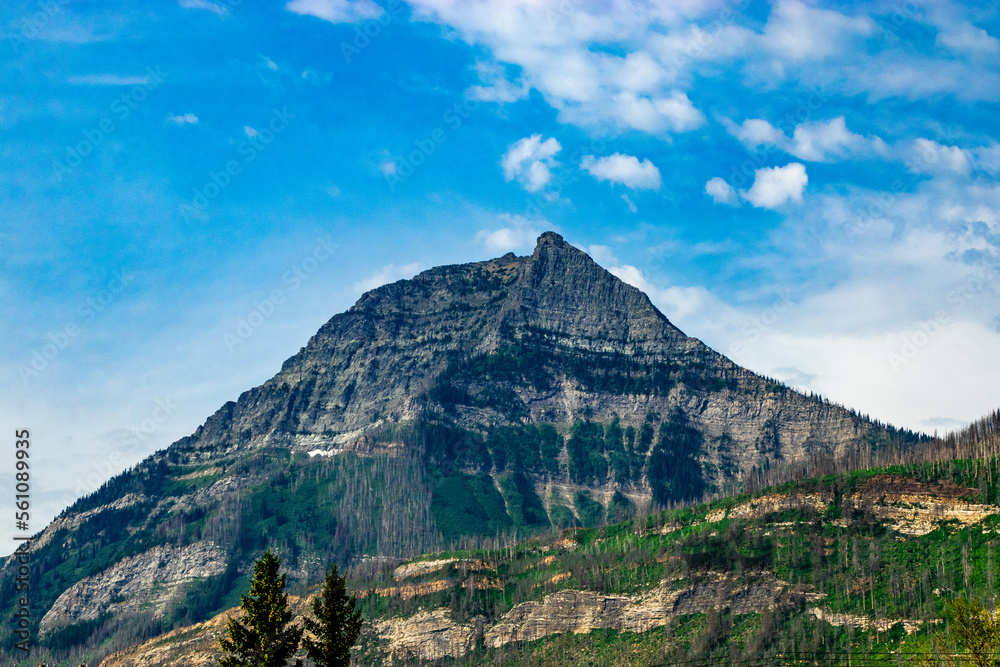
563,291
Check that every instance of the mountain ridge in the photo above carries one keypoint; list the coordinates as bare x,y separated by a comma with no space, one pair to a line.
512,394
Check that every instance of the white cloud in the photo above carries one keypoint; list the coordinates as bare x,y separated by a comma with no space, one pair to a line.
799,32
988,158
820,142
674,113
559,53
183,119
624,169
926,156
519,233
815,141
838,341
530,160
775,186
966,38
610,65
498,88
218,10
268,63
721,192
683,305
601,254
389,273
754,132
631,275
336,11
249,131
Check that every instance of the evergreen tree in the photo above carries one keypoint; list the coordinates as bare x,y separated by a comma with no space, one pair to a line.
336,624
264,637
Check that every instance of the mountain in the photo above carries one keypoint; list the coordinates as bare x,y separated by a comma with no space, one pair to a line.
852,568
469,403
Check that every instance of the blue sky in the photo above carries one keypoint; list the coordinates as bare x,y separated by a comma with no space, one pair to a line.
190,188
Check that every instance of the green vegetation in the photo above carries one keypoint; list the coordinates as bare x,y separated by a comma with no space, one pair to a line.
673,469
844,557
466,504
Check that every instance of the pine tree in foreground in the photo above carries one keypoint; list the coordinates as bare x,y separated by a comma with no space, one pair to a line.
336,624
264,637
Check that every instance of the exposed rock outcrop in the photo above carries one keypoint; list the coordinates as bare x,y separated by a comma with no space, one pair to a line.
910,507
150,582
429,635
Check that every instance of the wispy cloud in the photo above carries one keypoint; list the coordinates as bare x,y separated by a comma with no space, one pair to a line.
183,119
218,10
336,11
814,141
108,80
721,192
518,233
389,273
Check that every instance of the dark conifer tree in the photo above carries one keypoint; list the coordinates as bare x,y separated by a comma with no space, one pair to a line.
336,624
264,637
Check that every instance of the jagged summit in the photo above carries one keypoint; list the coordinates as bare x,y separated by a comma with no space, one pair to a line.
563,290
558,288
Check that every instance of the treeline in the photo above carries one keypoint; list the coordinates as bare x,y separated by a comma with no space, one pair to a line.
888,446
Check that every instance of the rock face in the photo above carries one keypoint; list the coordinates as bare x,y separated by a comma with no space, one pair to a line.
582,611
149,582
429,635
